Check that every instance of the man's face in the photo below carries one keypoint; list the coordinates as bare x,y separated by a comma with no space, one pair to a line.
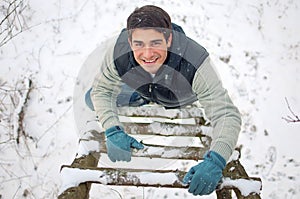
150,48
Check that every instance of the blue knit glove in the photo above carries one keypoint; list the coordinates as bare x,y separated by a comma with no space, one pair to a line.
119,144
204,177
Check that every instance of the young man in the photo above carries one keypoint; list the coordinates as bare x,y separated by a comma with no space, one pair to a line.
156,59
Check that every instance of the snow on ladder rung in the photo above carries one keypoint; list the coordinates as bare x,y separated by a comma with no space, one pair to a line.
163,129
158,151
149,120
170,152
72,176
167,152
159,111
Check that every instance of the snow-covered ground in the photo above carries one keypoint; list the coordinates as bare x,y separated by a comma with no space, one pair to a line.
255,46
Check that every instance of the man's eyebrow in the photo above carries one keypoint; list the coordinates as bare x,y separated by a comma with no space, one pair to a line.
152,41
137,41
156,40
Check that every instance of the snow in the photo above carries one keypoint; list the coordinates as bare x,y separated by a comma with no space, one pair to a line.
85,147
150,120
246,187
254,44
157,127
235,156
158,110
151,178
72,177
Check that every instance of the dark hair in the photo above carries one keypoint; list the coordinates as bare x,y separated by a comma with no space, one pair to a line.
149,17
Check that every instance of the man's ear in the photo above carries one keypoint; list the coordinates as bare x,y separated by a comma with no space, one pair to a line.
169,41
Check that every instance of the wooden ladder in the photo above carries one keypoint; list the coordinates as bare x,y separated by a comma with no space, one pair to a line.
153,120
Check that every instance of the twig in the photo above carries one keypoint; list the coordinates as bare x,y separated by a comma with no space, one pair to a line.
6,141
16,178
21,130
12,21
12,11
294,117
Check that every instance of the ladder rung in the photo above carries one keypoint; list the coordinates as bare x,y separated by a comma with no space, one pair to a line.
159,111
167,152
145,178
156,151
171,152
157,128
126,177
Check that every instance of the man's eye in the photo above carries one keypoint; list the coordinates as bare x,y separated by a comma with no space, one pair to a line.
156,43
138,45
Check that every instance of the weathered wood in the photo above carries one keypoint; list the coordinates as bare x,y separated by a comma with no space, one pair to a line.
150,151
157,128
138,177
159,111
235,170
166,152
224,194
162,129
82,190
149,120
166,123
171,152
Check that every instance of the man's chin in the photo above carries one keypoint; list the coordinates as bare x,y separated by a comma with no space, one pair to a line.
150,69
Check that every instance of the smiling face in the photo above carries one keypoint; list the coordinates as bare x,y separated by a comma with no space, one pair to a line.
150,48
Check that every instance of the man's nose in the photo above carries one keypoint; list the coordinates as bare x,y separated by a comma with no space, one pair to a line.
148,52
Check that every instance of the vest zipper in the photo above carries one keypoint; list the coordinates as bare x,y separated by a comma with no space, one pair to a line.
150,88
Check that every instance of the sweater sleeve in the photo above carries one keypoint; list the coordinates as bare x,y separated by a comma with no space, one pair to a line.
106,87
219,109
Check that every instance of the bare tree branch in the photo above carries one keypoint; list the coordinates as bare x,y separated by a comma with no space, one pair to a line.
12,23
20,129
13,101
293,117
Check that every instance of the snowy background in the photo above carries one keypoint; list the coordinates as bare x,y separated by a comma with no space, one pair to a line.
255,45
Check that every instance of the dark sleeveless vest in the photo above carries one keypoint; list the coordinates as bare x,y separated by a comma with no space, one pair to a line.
172,84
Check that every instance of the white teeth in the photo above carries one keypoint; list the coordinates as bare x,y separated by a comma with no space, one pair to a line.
150,61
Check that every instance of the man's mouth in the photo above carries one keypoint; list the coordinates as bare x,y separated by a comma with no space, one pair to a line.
151,61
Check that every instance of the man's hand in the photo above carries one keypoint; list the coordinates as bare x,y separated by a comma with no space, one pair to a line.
204,177
119,144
